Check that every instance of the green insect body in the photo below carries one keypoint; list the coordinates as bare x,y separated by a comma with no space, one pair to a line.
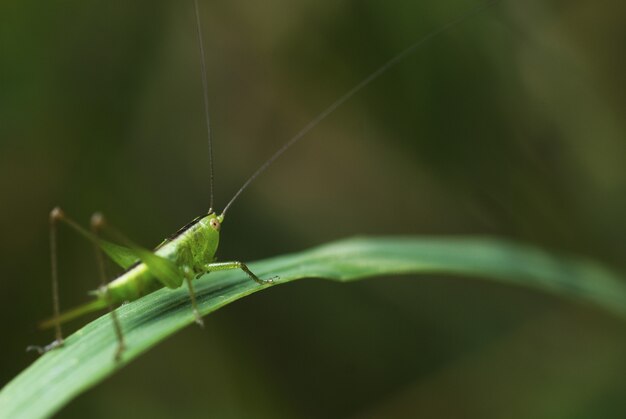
185,256
192,251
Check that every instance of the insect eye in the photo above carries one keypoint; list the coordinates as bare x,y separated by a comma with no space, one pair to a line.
215,224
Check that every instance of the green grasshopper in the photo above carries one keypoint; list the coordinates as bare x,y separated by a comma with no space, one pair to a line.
190,252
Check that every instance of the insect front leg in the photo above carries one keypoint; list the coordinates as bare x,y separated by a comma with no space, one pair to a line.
223,266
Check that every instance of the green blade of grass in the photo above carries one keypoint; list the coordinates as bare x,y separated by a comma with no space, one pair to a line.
87,357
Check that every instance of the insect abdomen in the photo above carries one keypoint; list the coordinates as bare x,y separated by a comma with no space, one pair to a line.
133,284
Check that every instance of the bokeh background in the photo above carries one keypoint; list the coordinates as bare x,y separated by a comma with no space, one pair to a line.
511,124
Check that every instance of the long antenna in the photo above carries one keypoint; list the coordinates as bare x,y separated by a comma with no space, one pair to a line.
369,79
205,90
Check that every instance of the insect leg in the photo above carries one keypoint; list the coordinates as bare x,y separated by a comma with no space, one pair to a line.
165,271
55,216
223,266
96,225
189,276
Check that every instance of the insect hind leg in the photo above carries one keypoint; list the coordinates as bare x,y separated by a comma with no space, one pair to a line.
56,215
97,223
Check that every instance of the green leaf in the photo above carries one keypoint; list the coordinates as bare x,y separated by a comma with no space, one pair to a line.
87,357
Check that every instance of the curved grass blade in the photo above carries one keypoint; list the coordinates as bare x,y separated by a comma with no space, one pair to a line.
87,358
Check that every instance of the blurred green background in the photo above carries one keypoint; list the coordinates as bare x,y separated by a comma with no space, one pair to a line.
511,124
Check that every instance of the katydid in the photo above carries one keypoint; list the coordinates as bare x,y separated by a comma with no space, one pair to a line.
190,252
